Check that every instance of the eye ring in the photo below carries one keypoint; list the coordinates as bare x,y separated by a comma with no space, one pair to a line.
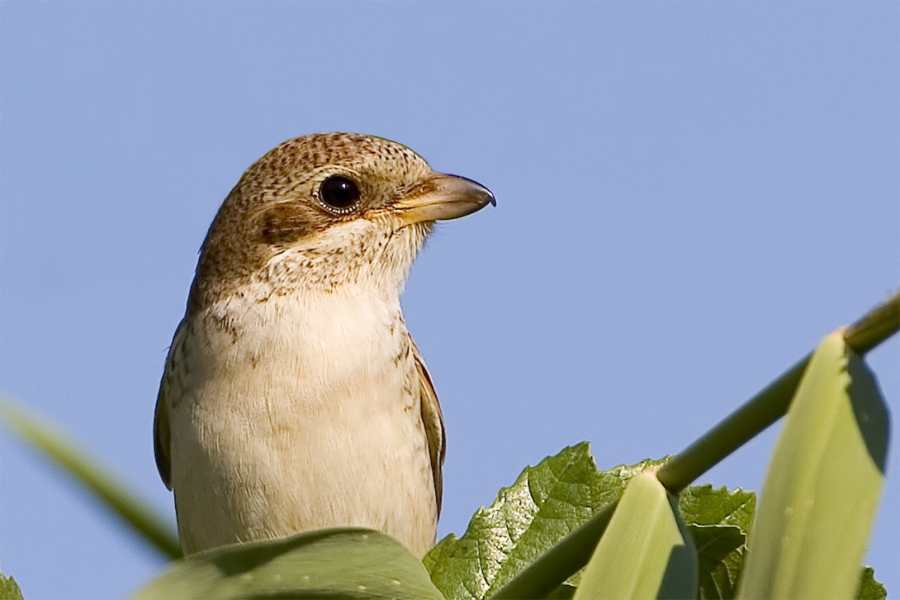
339,194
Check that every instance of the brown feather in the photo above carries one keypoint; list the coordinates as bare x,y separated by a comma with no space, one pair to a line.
433,420
175,368
161,441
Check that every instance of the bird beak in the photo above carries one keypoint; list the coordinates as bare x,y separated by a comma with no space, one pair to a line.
444,197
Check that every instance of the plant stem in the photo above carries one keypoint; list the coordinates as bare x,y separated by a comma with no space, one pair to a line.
875,326
770,404
575,550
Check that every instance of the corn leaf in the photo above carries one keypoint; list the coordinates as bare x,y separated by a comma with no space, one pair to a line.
646,551
822,489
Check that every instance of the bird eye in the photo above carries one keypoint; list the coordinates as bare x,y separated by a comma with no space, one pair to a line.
339,193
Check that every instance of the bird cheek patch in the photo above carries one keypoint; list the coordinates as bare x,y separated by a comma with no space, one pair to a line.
284,224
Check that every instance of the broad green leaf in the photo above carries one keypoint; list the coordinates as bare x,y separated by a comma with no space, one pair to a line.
330,563
869,587
96,479
823,485
563,592
9,589
545,503
719,521
646,552
705,505
720,556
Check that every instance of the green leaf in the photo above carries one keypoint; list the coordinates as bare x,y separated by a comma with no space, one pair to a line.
705,505
720,555
869,587
563,592
545,503
9,589
329,563
822,488
718,520
96,479
646,551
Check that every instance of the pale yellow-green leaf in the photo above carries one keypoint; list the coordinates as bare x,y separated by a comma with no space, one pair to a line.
646,552
823,485
98,480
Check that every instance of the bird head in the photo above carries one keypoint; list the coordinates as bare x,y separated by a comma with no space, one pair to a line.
328,210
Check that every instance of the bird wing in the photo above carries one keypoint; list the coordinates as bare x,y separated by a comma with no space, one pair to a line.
161,439
161,431
433,420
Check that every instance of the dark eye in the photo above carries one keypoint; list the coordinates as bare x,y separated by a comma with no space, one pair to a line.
339,192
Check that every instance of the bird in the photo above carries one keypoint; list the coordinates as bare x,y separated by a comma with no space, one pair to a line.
293,396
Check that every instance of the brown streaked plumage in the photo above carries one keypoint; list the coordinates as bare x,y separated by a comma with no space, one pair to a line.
293,397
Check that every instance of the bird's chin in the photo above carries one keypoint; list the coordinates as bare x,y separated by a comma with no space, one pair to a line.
406,241
422,228
375,253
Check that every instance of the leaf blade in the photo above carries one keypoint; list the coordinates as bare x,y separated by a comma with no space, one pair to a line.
821,492
9,589
646,551
546,503
333,563
92,476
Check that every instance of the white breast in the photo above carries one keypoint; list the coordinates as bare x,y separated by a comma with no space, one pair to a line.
299,412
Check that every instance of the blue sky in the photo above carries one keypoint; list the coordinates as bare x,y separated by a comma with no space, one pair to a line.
690,195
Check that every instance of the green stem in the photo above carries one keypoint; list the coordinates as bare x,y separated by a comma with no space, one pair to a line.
97,480
733,432
575,550
875,326
770,404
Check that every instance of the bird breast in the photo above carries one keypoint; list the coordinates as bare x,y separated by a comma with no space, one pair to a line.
274,382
